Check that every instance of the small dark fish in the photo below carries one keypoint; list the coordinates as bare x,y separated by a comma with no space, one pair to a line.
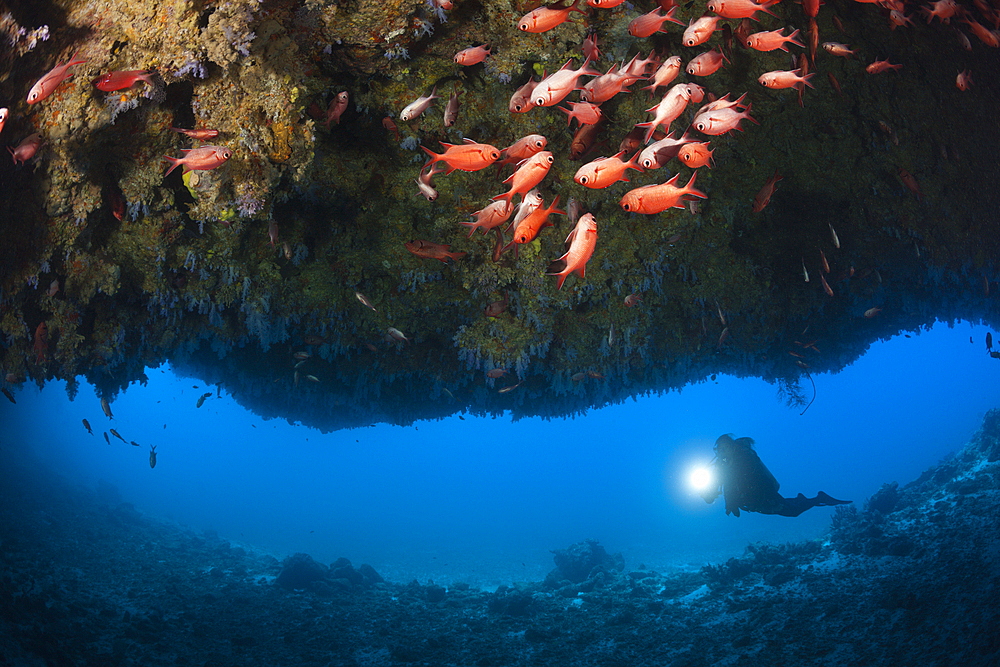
106,438
86,425
116,434
152,456
989,341
134,443
201,401
107,408
10,396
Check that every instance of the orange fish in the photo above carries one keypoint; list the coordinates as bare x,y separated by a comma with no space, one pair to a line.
48,83
880,66
696,155
429,250
738,9
200,135
123,79
706,63
528,228
583,140
582,240
655,198
772,39
41,341
469,156
910,182
546,18
472,55
963,81
604,171
763,197
529,174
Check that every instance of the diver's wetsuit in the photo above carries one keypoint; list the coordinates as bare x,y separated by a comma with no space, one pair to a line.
748,485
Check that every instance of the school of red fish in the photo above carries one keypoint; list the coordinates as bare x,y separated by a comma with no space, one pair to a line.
652,143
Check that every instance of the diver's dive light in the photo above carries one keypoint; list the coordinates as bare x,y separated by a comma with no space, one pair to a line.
700,478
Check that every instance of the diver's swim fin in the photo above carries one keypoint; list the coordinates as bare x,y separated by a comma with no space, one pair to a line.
822,500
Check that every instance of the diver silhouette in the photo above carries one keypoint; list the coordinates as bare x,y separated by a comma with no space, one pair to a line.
748,485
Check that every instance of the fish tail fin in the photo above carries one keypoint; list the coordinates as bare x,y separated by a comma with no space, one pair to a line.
691,190
174,163
508,196
456,255
74,61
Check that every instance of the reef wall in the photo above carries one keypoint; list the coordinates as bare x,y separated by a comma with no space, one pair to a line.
107,266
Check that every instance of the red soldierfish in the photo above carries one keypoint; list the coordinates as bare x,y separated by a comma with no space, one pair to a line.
655,198
546,18
27,148
582,241
491,216
523,148
720,121
699,30
739,9
48,83
660,152
469,156
451,110
880,66
554,88
430,250
123,79
667,72
200,135
584,112
771,40
785,79
648,24
668,110
521,100
706,63
529,227
604,171
528,174
472,55
336,109
910,182
763,197
696,154
589,48
199,159
418,106
41,341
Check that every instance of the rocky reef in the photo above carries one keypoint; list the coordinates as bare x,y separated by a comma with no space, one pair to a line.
108,267
911,578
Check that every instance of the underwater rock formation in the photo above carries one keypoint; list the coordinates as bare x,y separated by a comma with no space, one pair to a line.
107,267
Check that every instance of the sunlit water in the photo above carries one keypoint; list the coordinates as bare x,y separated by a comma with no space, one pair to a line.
485,500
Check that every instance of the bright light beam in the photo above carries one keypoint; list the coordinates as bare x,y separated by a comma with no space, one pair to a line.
700,478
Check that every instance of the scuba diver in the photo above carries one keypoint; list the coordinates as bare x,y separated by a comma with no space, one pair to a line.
748,485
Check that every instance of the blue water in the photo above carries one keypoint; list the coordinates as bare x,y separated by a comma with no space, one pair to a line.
485,500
